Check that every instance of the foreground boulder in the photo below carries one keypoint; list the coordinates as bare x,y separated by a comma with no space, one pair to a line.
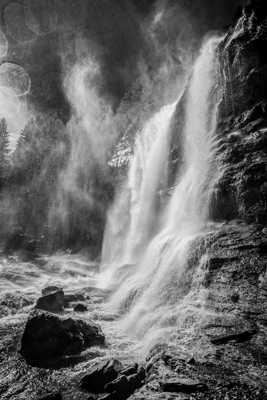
117,383
47,338
52,300
97,379
124,386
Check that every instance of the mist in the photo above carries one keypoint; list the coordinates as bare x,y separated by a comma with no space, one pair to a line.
97,70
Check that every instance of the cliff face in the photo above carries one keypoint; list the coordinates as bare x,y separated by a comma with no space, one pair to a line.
242,189
226,332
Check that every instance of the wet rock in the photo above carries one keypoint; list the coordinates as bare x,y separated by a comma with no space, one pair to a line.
121,385
136,380
183,385
237,337
53,396
52,300
124,386
97,379
132,369
80,307
111,396
73,297
48,338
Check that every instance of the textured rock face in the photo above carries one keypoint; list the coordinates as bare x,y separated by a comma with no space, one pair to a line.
47,339
225,327
242,189
231,279
52,300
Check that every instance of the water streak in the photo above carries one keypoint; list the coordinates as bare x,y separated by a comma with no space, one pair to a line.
153,290
133,218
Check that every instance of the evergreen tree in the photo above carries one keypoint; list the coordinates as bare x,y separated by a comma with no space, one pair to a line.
4,149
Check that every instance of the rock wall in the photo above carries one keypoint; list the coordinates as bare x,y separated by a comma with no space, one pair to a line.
221,342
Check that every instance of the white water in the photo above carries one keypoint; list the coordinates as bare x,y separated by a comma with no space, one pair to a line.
133,218
154,290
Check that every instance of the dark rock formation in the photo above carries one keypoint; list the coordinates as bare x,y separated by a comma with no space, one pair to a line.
72,298
97,379
52,300
184,386
124,385
80,307
238,337
112,379
132,369
47,339
118,385
241,191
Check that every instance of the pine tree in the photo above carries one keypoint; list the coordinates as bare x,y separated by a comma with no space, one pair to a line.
4,149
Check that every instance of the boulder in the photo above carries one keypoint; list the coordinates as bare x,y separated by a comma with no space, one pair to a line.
52,300
47,338
98,378
80,307
183,385
124,385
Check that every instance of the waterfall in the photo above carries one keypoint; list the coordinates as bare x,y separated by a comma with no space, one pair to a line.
133,217
151,291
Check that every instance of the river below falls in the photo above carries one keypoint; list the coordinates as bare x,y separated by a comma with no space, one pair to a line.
21,284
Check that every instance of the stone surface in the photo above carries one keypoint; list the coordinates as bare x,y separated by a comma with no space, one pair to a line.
80,307
52,300
72,297
48,338
239,337
183,385
97,379
132,369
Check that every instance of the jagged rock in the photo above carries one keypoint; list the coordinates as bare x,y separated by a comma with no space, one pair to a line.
80,307
136,380
97,379
53,396
237,337
122,387
132,369
48,338
183,385
52,300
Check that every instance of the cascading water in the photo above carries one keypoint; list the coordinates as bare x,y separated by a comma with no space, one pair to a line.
133,217
152,291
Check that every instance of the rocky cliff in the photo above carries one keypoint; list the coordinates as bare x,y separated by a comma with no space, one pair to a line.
225,345
220,349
